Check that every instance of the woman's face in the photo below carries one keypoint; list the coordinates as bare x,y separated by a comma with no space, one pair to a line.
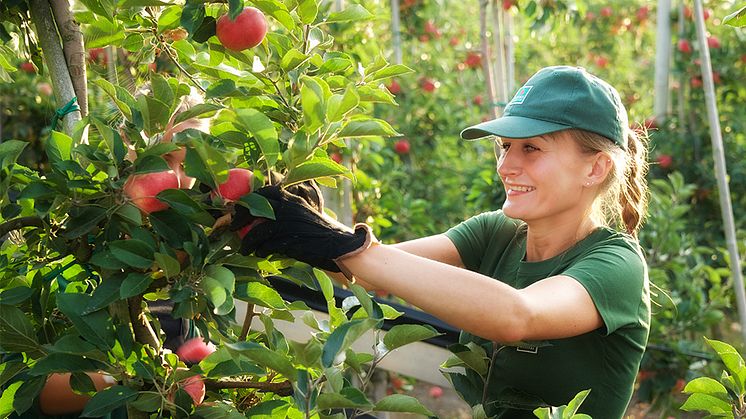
544,178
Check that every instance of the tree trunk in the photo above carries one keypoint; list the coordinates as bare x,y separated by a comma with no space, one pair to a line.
72,46
49,39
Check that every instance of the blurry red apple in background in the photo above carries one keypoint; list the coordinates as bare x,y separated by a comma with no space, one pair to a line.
665,161
143,188
394,87
44,89
684,46
402,146
247,31
28,67
195,350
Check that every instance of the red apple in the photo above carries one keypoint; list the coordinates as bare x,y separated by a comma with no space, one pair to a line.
397,383
394,87
473,60
679,386
58,398
430,27
402,146
743,58
707,13
428,85
28,67
424,38
237,185
143,188
194,387
507,4
44,89
435,392
684,46
665,161
477,100
642,13
336,157
696,82
195,350
590,16
716,77
602,61
713,42
651,123
247,31
98,56
607,11
688,12
454,41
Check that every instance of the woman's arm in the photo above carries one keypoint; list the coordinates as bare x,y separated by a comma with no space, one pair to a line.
556,307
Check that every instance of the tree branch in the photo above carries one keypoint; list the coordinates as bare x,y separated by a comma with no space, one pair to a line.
72,46
144,332
19,223
283,388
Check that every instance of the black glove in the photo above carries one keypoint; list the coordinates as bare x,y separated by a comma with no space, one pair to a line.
299,231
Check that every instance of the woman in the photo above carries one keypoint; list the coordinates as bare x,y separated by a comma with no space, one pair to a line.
555,295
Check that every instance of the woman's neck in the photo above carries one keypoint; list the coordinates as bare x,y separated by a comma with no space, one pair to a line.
544,241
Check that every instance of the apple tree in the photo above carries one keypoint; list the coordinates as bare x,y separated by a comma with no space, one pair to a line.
131,211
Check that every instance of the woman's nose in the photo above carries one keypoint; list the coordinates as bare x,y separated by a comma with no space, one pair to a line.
507,164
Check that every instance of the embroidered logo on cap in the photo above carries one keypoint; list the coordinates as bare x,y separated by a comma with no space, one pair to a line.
520,96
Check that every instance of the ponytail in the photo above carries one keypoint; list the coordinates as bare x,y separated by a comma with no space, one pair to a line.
623,196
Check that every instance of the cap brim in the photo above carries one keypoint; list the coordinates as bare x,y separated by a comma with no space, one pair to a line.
511,127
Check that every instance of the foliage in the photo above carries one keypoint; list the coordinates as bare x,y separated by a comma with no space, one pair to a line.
564,412
83,264
723,397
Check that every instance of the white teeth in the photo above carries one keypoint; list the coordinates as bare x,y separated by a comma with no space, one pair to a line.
522,188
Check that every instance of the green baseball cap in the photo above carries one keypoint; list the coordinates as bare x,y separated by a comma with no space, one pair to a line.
558,98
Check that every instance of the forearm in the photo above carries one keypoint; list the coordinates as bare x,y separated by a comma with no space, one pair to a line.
455,295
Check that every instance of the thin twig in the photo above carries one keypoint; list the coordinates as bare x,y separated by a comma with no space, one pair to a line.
167,49
283,388
247,322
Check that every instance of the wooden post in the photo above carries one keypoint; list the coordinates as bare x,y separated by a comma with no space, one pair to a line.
662,55
720,170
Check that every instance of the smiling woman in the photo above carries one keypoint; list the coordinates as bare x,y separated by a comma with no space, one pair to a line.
552,289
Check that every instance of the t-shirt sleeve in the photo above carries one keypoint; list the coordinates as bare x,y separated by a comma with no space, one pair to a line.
472,237
615,276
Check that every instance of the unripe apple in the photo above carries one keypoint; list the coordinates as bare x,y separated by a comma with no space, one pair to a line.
665,161
28,67
684,46
237,185
195,350
44,89
402,146
394,87
247,31
143,188
435,392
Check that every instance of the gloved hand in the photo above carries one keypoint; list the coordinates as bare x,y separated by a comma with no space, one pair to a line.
299,231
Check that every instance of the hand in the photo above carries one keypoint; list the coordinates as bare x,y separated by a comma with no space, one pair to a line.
299,231
307,190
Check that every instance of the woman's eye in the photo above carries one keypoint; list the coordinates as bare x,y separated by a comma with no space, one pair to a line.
529,147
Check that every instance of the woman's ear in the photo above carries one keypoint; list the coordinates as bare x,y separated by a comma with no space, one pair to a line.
601,165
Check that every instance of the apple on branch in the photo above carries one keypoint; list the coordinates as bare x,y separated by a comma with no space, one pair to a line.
246,31
143,188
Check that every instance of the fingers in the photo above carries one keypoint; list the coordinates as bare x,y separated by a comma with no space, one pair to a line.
260,235
241,218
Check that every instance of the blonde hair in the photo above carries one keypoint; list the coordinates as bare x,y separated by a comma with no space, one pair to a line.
623,197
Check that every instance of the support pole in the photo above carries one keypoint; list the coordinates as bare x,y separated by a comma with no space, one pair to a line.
396,31
720,170
662,58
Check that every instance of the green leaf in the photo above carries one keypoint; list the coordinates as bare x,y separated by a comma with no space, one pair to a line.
150,164
706,402
292,59
192,15
707,385
82,223
403,334
112,138
59,146
263,131
315,168
390,71
199,110
8,370
130,213
307,11
258,205
314,93
170,265
367,127
25,395
264,357
97,327
7,397
62,362
218,285
737,18
113,94
269,409
260,294
105,293
375,95
277,10
733,361
575,403
135,284
107,400
472,355
353,13
10,150
17,334
340,105
342,337
147,401
348,397
180,201
401,403
135,253
98,8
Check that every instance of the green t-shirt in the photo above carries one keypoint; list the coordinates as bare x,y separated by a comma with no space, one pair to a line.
611,267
